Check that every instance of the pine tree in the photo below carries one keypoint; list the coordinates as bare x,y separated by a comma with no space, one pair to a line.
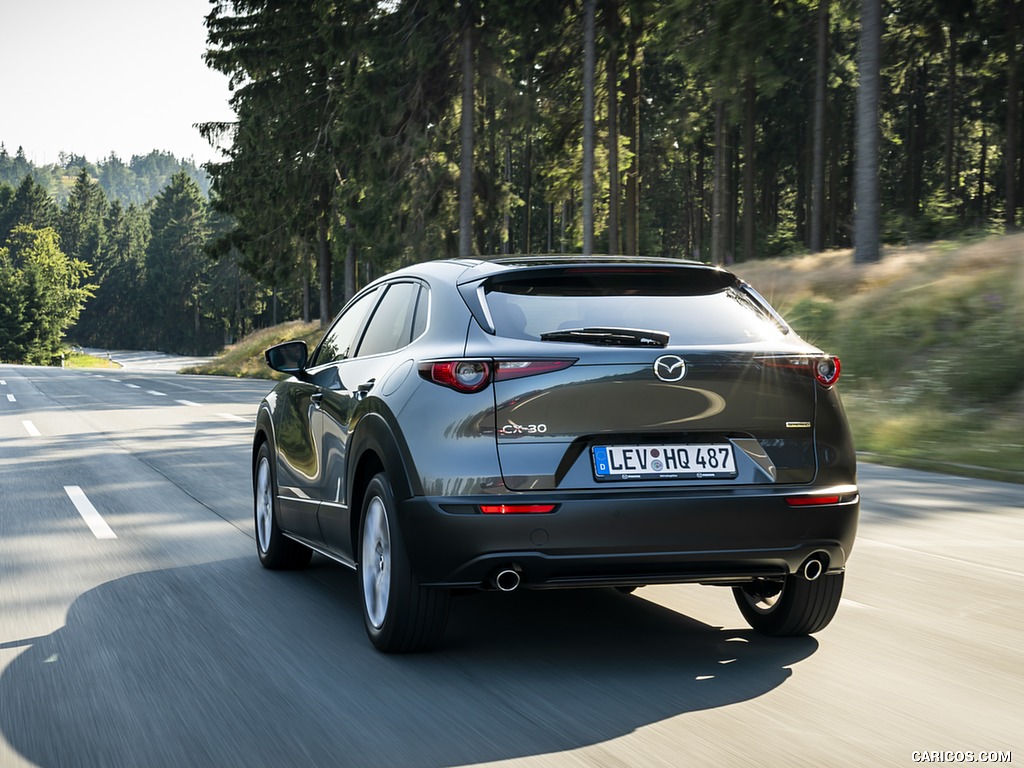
177,268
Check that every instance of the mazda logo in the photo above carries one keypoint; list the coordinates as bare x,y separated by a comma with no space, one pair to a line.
670,368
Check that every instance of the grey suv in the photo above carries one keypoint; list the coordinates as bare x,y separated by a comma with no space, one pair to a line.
559,422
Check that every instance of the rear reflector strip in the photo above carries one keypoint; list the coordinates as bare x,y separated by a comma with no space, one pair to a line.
516,509
811,501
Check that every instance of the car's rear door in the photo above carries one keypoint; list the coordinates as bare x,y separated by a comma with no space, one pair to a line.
396,320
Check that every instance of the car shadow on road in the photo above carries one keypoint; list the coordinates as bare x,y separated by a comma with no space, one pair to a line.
226,664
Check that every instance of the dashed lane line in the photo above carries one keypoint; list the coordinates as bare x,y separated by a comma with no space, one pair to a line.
12,398
154,392
188,403
133,386
232,417
92,518
31,429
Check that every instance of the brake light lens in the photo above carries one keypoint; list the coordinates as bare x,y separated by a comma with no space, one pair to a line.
460,375
474,375
825,369
517,369
516,509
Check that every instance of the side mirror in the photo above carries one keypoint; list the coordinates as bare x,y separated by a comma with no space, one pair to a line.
289,357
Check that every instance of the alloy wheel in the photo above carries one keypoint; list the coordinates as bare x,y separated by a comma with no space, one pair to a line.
376,562
264,505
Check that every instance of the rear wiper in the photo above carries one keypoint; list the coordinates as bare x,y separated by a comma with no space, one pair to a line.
610,337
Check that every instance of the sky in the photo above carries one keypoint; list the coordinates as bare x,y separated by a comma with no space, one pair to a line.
92,77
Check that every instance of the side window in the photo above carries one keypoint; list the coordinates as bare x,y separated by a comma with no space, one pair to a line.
390,327
338,342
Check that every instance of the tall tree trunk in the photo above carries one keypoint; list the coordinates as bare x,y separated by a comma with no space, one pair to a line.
698,201
466,162
749,105
506,233
718,194
818,157
612,31
632,119
324,257
589,64
307,312
982,176
528,192
951,97
350,259
866,211
1012,114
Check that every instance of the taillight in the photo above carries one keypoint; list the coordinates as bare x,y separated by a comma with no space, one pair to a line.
517,369
516,509
825,369
475,375
460,375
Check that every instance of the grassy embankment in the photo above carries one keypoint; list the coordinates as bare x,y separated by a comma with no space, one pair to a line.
932,344
931,340
245,358
75,359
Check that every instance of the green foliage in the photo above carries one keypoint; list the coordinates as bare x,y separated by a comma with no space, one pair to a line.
42,292
178,270
136,181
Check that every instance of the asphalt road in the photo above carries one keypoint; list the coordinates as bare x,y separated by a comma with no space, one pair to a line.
148,635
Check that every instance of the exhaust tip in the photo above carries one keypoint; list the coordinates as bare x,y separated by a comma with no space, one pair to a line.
813,569
507,579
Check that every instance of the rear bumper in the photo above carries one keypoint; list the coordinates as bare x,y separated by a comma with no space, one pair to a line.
724,538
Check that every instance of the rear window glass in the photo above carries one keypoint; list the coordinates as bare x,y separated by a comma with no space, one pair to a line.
692,306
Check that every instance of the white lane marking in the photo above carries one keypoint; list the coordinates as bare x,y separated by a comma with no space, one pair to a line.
187,402
31,429
232,417
154,392
3,383
12,398
92,518
117,381
133,386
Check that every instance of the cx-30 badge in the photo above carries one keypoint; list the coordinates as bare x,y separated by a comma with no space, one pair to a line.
670,368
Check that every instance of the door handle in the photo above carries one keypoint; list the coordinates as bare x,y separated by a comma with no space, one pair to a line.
364,389
316,398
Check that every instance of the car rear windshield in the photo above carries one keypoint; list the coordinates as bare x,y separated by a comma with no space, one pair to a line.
692,305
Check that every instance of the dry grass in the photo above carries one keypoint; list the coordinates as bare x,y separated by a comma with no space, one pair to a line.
932,341
245,359
832,274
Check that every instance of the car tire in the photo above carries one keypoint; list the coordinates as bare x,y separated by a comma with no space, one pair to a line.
791,607
400,615
276,551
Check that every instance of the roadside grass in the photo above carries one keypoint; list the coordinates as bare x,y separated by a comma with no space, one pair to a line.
74,359
245,359
932,344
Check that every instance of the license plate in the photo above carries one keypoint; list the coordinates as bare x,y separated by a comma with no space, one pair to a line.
663,462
